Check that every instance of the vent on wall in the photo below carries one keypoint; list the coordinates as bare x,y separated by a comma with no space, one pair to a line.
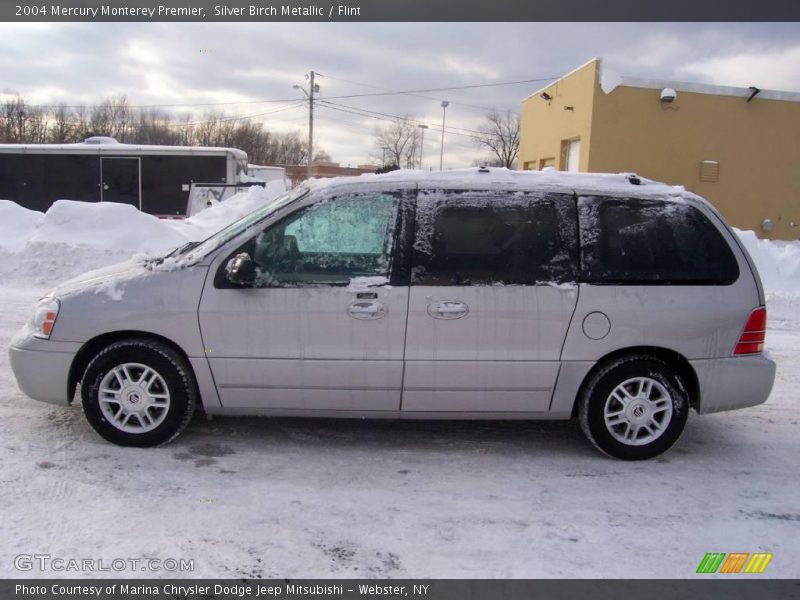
709,170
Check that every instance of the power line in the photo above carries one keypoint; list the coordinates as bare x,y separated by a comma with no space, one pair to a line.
392,118
377,87
339,97
399,118
242,117
351,125
364,130
441,89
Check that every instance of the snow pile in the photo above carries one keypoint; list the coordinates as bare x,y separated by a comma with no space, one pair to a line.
74,237
609,79
778,263
224,213
106,226
17,224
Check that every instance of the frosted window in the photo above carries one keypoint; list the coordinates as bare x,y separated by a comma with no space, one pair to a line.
330,242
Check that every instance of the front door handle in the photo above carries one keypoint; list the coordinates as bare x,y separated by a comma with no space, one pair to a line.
367,309
447,309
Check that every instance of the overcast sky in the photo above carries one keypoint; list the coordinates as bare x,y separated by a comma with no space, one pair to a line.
168,63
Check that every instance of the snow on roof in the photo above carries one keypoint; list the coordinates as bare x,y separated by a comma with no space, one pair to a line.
478,178
695,88
114,147
610,80
575,70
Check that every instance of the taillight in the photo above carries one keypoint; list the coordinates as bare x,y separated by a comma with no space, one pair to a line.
755,329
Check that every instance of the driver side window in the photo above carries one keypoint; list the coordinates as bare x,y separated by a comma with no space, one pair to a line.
329,243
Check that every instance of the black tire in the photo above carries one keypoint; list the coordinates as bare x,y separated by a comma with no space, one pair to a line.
665,412
174,380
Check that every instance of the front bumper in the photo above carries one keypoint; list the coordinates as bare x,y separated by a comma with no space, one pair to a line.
42,368
735,382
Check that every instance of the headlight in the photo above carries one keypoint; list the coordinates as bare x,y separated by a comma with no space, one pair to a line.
44,317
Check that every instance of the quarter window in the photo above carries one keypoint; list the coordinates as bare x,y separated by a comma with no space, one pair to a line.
513,238
628,240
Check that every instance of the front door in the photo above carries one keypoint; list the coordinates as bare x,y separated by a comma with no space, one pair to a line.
322,329
492,294
120,180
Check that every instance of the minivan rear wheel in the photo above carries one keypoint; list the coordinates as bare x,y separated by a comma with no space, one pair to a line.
138,392
634,408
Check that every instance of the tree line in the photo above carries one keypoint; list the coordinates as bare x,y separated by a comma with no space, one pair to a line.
24,123
398,144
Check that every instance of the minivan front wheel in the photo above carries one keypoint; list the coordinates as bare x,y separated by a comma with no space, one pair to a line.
634,408
138,392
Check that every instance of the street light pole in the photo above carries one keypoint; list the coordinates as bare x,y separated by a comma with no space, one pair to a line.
421,142
445,104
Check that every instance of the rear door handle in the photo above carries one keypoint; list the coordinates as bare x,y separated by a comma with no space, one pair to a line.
447,309
367,309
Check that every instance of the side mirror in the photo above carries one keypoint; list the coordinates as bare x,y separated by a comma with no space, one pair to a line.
241,270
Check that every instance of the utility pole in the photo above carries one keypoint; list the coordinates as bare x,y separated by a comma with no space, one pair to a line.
310,124
312,88
445,104
422,129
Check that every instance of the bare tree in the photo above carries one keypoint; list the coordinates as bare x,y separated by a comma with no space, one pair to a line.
112,117
398,142
182,126
13,120
122,122
82,126
100,119
205,132
290,149
36,126
215,129
500,134
157,127
23,123
65,126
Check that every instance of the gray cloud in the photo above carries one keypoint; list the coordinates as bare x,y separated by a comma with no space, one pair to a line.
161,63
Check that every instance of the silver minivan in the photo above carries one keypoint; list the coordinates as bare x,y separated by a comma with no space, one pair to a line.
471,294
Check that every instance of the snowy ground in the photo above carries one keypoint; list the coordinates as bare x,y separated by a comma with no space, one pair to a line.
312,498
294,498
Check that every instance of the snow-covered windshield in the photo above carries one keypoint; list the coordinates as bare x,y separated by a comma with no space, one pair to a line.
231,231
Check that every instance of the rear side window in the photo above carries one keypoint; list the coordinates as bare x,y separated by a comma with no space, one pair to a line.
639,241
483,238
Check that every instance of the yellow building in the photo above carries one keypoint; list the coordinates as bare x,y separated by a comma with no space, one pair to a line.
737,147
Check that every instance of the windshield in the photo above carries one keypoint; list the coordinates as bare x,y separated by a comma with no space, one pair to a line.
200,249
